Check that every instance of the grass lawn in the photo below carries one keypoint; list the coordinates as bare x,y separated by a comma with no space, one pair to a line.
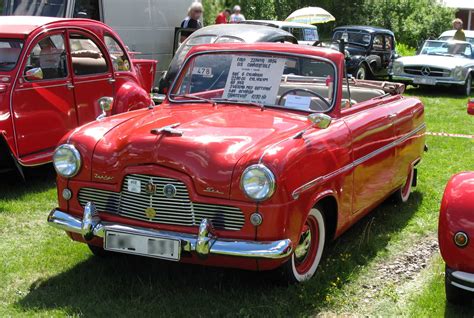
43,273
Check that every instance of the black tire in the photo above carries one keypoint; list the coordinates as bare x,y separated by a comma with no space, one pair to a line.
361,72
99,251
455,295
467,87
300,270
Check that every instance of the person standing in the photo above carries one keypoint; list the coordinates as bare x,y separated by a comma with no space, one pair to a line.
192,20
459,35
223,17
237,17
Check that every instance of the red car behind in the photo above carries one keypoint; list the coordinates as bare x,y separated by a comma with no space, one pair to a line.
53,75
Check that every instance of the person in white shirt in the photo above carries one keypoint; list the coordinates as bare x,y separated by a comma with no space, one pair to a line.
237,17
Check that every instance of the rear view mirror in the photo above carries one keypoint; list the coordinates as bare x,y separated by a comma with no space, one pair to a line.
34,74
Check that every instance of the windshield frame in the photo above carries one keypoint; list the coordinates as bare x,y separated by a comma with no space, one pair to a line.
363,32
20,53
184,67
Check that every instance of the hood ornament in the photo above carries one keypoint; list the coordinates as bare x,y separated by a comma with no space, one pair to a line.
170,130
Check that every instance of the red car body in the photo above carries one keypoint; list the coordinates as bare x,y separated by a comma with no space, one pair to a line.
345,169
456,216
52,74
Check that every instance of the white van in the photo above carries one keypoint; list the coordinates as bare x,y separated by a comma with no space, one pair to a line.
146,26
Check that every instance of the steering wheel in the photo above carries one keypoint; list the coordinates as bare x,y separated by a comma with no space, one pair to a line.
294,90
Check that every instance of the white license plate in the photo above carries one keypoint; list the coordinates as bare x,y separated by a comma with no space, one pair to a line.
424,81
142,245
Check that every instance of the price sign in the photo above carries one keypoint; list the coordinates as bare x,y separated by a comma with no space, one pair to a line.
254,79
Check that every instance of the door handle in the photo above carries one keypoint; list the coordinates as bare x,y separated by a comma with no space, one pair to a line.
111,80
391,116
70,86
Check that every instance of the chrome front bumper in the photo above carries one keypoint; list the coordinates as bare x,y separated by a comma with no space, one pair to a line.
439,80
460,279
204,243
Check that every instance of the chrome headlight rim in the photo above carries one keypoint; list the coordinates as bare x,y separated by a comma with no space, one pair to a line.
77,156
271,180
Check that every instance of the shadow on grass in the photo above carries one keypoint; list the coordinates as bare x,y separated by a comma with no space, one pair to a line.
13,186
134,286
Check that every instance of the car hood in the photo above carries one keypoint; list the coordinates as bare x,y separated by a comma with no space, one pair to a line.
435,61
212,142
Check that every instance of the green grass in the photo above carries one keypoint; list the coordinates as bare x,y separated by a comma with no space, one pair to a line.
43,273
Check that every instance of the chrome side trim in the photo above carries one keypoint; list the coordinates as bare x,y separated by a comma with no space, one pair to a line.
297,192
189,242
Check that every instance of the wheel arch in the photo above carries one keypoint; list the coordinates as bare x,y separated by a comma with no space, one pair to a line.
8,159
329,208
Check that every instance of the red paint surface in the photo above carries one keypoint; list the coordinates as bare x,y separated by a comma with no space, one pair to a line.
457,214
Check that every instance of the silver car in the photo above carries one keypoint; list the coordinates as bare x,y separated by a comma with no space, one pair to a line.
438,63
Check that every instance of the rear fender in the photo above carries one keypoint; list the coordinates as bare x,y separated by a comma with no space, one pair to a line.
131,97
146,70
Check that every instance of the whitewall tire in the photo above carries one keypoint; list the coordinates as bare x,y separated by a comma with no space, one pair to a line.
307,255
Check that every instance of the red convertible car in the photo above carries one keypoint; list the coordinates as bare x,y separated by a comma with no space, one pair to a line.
260,154
55,74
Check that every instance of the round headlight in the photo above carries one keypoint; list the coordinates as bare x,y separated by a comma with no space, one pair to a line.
67,160
258,182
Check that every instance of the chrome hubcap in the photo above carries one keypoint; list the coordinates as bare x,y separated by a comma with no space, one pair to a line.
361,73
303,247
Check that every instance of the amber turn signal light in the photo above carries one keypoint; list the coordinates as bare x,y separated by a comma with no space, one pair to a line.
461,239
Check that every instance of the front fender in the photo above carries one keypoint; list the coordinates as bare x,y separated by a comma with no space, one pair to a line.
457,214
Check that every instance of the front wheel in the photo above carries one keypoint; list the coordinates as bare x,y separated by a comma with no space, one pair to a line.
307,255
467,88
361,72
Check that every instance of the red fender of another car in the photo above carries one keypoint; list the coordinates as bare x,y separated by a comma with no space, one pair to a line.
457,214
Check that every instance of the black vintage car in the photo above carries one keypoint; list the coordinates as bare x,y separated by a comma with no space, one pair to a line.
220,33
370,51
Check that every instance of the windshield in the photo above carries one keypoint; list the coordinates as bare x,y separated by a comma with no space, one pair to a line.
262,79
447,48
9,52
354,37
303,34
47,8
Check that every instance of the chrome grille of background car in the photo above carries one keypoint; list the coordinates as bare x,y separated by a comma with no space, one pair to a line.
433,71
179,210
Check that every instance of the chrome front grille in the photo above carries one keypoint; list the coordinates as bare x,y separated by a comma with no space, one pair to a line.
178,210
427,71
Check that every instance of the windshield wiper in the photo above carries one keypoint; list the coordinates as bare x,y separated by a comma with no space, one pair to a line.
210,101
228,100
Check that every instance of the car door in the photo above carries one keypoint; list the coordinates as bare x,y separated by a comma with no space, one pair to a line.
43,99
372,133
92,73
376,58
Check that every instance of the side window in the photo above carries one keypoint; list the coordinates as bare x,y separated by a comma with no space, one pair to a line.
378,42
88,9
47,60
117,54
388,43
87,58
